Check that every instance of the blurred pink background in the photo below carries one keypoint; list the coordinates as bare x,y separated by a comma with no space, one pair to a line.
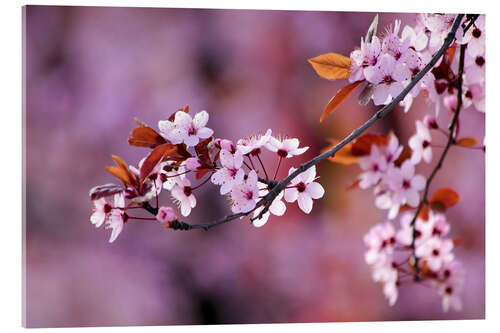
91,71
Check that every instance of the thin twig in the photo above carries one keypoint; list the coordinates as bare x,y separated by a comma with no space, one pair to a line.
449,143
280,186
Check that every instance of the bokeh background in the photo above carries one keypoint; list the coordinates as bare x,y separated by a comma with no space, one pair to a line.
90,71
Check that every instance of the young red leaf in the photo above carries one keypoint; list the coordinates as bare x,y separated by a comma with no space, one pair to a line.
339,97
332,66
122,172
467,142
145,136
157,155
445,197
344,155
363,145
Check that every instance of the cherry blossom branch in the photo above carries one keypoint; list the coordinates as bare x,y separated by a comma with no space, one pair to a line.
449,143
277,187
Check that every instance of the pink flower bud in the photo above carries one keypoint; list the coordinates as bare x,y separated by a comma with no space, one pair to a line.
165,214
450,102
430,122
193,163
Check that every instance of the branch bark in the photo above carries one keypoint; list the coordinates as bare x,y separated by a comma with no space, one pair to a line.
280,186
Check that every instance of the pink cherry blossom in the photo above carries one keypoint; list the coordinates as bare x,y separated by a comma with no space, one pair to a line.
231,172
186,129
420,144
226,145
364,57
388,79
405,184
417,39
435,252
374,165
182,192
285,147
423,230
117,218
380,241
277,207
254,143
244,194
100,212
304,189
165,214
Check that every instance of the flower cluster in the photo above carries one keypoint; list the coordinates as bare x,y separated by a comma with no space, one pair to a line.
390,62
389,253
237,167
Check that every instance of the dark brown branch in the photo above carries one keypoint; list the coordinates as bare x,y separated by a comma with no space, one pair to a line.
280,186
451,140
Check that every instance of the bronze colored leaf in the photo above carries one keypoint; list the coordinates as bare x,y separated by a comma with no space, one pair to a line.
363,145
445,197
332,66
145,136
122,172
157,155
467,142
344,155
339,97
405,154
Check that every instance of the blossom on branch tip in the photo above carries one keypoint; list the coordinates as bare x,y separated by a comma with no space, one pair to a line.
304,189
100,212
165,214
254,143
285,147
183,193
436,252
405,184
117,218
185,129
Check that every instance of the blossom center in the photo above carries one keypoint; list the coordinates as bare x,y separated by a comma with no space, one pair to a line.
480,61
249,195
282,153
476,33
192,131
406,184
425,144
388,79
435,252
188,190
107,208
448,290
301,187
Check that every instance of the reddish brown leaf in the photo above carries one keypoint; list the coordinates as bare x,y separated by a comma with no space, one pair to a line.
157,155
363,145
405,154
354,185
445,197
424,213
457,241
344,155
339,97
145,136
122,172
467,142
202,172
332,66
202,151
